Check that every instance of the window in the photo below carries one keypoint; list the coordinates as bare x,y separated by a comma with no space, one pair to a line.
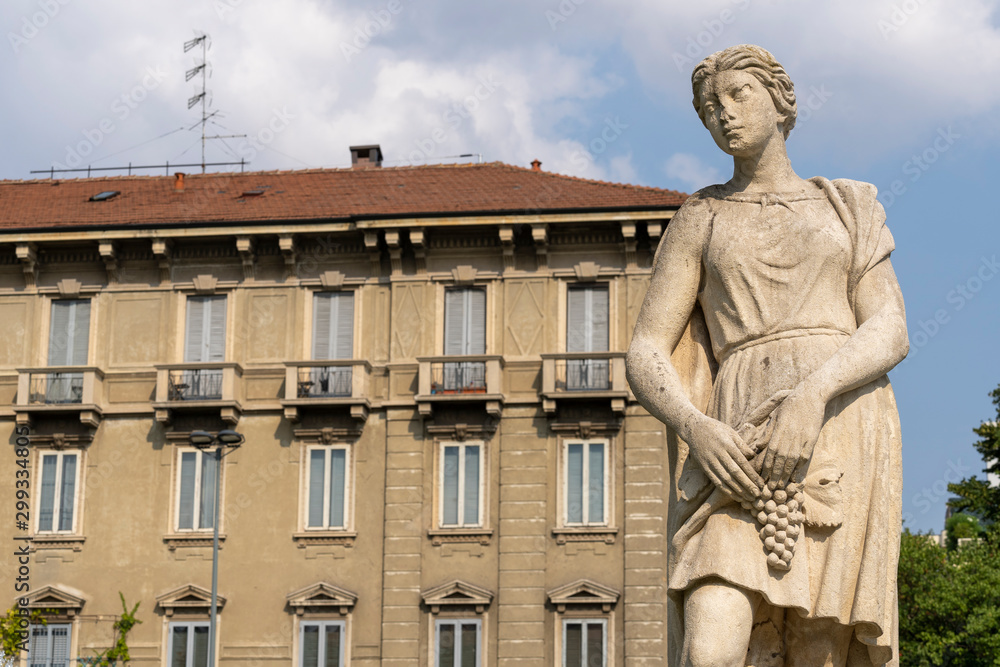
49,645
333,338
584,643
321,644
188,644
464,334
57,493
457,643
195,490
587,331
586,483
461,475
69,339
205,341
327,488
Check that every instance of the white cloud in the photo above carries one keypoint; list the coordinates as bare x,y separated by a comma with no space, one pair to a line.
690,171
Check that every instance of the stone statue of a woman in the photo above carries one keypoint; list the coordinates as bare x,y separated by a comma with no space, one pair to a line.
772,317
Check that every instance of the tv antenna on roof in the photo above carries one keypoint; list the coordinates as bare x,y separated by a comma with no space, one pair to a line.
202,68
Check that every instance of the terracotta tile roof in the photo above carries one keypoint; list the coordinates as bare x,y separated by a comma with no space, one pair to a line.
317,195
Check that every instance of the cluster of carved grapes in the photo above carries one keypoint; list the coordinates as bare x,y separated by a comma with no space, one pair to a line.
779,511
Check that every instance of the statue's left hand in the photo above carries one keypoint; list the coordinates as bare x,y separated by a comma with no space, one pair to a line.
797,423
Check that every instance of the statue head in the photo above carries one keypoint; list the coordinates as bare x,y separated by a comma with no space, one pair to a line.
762,65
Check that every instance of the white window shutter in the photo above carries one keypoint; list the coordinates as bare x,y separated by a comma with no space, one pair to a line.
217,329
477,321
69,333
194,341
449,494
595,491
454,322
577,324
344,347
599,319
471,490
208,477
322,308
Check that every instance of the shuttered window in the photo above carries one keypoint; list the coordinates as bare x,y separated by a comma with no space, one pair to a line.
584,643
196,490
321,644
333,325
587,319
57,493
327,488
465,321
69,340
49,645
205,337
69,333
461,488
587,331
586,484
457,643
188,645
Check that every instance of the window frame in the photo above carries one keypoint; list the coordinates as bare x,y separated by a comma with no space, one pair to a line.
588,620
440,486
50,332
349,468
49,627
186,315
188,661
323,623
564,500
198,485
457,622
312,324
57,495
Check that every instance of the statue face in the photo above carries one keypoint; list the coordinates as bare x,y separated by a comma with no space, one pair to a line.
739,113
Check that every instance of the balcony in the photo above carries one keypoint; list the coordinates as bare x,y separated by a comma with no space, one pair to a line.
198,387
59,390
460,379
590,376
327,384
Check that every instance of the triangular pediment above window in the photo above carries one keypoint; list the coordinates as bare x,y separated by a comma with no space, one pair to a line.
55,599
321,596
457,594
188,598
583,592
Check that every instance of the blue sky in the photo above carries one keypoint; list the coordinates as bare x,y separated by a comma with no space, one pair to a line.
903,94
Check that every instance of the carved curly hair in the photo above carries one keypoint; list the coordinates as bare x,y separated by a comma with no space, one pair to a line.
758,62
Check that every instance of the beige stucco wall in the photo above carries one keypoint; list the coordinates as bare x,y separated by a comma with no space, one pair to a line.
127,498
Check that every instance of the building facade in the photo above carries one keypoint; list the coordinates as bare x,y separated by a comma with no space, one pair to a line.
443,464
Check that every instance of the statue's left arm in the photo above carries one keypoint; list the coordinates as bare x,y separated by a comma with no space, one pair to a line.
879,343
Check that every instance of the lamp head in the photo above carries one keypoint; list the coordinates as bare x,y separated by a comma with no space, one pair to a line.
201,439
230,437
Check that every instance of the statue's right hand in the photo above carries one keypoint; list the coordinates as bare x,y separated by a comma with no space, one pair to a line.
725,458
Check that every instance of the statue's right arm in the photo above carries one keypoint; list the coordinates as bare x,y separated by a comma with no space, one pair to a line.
666,309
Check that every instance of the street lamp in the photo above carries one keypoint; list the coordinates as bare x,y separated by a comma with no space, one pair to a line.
202,440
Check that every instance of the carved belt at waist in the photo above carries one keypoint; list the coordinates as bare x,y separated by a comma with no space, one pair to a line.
780,335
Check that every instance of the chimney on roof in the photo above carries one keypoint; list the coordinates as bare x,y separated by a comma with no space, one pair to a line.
179,181
366,157
536,165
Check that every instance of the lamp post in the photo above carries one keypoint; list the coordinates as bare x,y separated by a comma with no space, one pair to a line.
202,440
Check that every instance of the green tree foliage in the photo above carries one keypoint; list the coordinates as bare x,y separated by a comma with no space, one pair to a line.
975,495
13,634
123,625
949,603
960,526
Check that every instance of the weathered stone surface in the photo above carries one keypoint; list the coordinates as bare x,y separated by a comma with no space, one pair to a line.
771,319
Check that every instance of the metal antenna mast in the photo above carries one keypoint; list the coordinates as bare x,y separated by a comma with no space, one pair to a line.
202,68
